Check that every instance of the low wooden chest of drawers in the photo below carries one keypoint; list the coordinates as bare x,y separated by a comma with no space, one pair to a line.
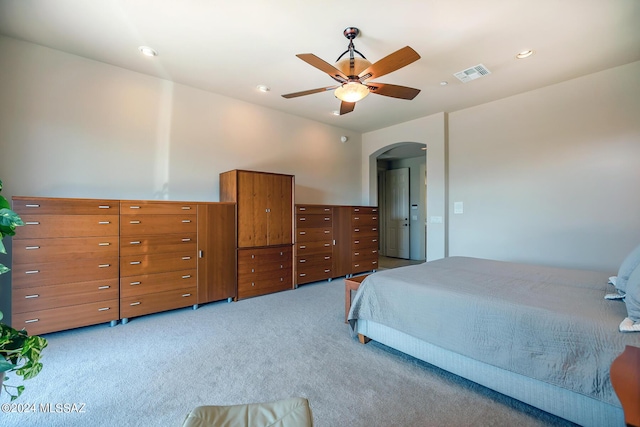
158,257
264,270
313,243
65,264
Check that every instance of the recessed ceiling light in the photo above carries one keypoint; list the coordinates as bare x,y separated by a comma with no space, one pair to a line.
147,51
443,83
263,88
335,112
524,54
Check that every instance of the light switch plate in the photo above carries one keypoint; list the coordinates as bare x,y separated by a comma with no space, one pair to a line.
458,207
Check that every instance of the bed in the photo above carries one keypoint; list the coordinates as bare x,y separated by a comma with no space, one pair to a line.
545,336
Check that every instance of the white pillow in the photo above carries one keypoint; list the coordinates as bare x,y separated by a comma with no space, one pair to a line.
632,299
626,268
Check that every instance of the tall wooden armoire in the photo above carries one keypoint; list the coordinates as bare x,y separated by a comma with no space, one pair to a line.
265,229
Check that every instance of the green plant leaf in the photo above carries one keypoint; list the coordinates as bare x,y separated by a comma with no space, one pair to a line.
9,220
3,269
4,203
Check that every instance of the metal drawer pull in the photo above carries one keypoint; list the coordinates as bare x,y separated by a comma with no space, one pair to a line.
135,303
327,257
374,240
374,262
200,254
186,208
327,270
32,321
135,262
253,270
104,244
104,222
104,207
374,217
303,274
32,271
104,287
356,241
327,209
186,257
186,295
186,221
374,229
357,265
356,210
134,283
31,206
31,296
134,207
104,265
326,231
356,253
303,260
303,232
186,276
356,229
186,240
134,222
356,218
303,247
303,219
303,209
135,242
328,244
327,219
32,223
104,309
29,248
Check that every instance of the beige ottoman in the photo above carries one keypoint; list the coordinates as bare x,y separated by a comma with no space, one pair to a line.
294,412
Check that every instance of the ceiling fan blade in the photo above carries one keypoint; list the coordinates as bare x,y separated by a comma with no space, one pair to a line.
308,92
346,107
322,65
394,91
390,63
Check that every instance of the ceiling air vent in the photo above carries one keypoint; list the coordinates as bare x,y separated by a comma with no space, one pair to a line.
472,73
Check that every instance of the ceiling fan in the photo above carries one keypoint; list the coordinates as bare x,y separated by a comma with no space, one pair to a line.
353,74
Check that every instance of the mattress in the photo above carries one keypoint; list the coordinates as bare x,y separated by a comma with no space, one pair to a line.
549,324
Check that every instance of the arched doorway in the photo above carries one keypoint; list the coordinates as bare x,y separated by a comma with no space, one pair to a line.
401,195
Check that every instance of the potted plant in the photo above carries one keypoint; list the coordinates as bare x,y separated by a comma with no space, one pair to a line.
19,352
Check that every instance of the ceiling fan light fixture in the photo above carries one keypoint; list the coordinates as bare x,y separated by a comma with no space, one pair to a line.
351,92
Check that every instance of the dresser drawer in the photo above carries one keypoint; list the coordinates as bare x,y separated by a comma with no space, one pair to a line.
162,243
160,282
360,266
54,226
59,206
136,265
151,207
316,259
365,230
158,301
27,251
313,234
61,318
313,273
360,220
46,297
71,271
263,267
364,210
313,209
279,255
364,254
138,225
370,242
310,248
313,221
274,281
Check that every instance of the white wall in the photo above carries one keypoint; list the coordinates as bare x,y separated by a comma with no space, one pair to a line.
430,130
550,176
73,127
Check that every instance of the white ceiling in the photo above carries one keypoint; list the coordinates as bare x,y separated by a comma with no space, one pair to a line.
230,47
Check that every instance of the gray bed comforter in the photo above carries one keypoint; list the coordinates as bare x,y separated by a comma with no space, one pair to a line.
546,323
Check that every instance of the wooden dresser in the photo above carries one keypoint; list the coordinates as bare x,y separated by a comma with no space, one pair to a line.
364,239
334,241
265,229
65,264
158,256
314,243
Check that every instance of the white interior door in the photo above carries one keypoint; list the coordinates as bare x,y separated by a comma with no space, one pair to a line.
397,213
